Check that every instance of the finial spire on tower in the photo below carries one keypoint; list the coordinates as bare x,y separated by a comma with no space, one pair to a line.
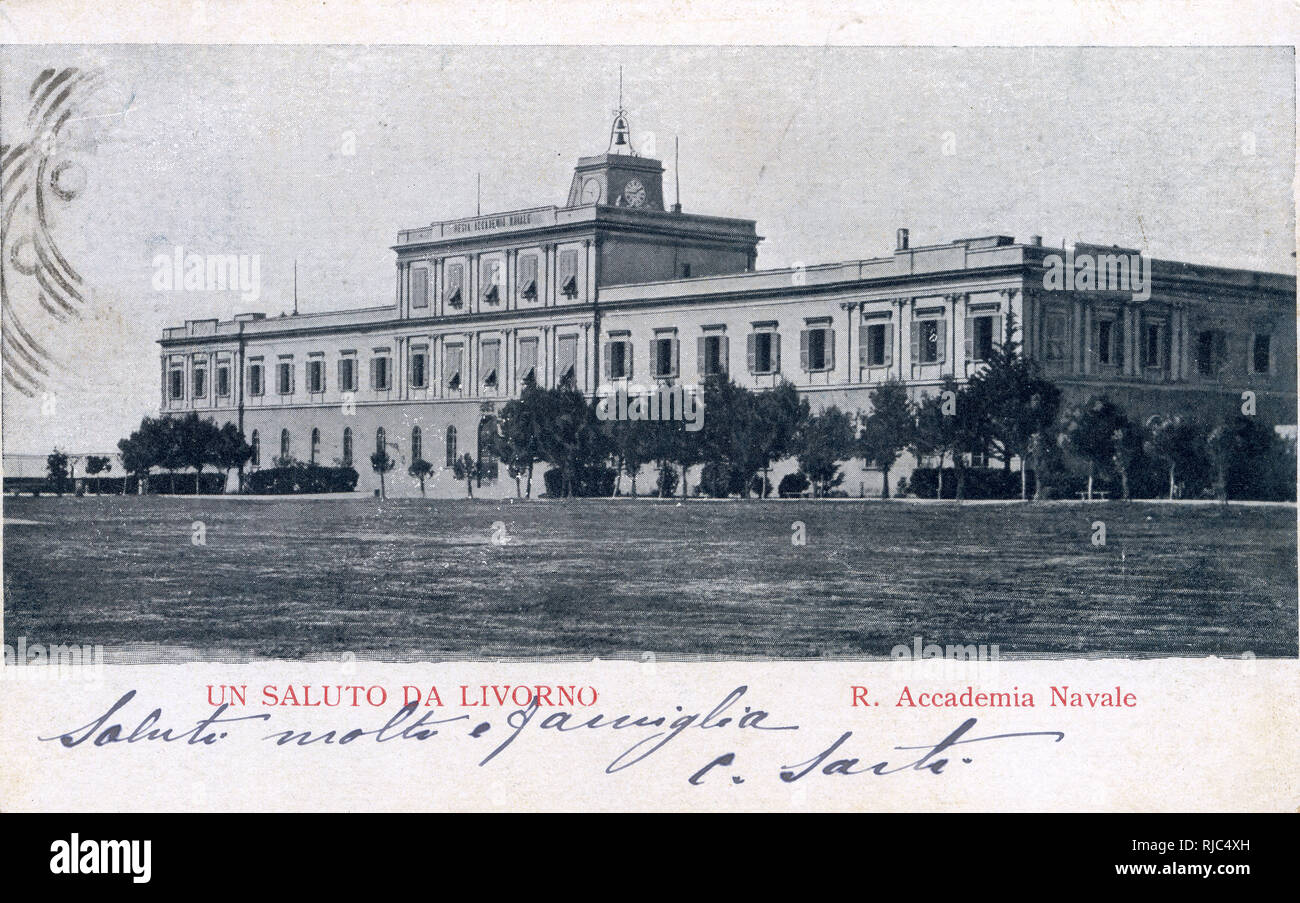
620,133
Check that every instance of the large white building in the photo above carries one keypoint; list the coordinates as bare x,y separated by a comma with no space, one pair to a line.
613,288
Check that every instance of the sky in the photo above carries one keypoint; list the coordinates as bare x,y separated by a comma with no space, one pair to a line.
321,154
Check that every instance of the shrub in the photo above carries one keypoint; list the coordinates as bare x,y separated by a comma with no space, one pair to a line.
793,485
721,481
298,478
666,485
981,483
592,482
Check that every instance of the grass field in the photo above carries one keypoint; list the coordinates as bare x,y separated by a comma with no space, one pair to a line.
423,580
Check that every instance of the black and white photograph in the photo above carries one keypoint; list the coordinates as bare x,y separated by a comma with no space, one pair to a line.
430,353
572,410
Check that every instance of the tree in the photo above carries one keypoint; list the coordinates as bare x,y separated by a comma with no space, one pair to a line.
518,443
1236,446
826,439
778,417
1089,434
232,451
196,443
420,469
570,438
140,452
630,444
726,437
887,430
466,469
1016,401
381,462
1174,442
95,465
1127,454
56,469
950,423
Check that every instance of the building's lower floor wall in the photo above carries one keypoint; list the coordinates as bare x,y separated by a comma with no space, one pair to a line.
448,430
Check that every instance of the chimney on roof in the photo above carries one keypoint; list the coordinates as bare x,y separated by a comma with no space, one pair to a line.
1036,241
902,239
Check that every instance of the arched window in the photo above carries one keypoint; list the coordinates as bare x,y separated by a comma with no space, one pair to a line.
347,447
284,443
315,445
381,441
451,446
416,444
257,450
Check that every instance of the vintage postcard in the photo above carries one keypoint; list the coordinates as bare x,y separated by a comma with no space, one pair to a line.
763,424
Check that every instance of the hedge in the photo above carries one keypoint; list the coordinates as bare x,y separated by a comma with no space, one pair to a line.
301,478
591,482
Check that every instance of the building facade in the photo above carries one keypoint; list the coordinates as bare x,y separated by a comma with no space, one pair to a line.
612,288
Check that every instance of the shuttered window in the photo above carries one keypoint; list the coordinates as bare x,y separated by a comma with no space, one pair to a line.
763,352
452,361
982,334
618,360
569,273
876,345
528,276
712,355
419,287
527,360
566,360
817,349
929,341
455,291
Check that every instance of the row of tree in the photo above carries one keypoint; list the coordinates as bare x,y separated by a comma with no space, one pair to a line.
61,470
1008,411
184,443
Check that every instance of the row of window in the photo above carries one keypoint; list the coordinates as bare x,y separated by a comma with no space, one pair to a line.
491,280
763,355
1106,346
816,348
381,370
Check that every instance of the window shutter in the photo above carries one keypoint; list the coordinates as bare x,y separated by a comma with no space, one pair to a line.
889,344
751,344
627,359
1118,339
803,349
724,354
676,364
830,349
420,287
916,341
654,358
970,339
699,356
864,343
609,361
374,374
776,352
343,387
941,340
998,338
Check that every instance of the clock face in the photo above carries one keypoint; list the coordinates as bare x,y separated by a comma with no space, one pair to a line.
590,191
634,193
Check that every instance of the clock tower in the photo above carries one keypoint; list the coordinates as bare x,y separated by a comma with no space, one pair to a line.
618,177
